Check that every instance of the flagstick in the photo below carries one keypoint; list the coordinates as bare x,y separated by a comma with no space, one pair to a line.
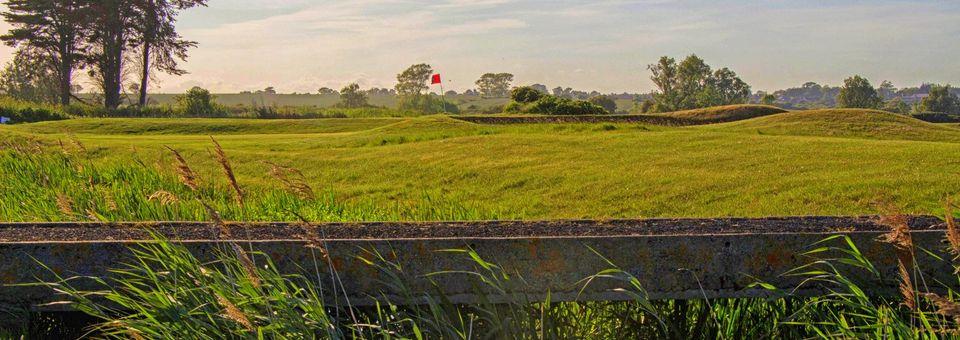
443,102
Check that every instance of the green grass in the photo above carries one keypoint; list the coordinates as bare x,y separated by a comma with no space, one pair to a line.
848,123
438,168
726,113
203,126
542,171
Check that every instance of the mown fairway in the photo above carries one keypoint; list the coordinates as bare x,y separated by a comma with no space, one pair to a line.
800,163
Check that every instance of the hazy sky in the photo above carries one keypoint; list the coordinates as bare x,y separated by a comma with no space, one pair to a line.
299,45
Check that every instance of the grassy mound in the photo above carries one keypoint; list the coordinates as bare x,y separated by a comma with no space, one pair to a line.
202,126
857,123
721,114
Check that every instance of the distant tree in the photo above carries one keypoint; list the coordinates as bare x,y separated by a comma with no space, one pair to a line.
665,78
647,106
450,93
691,84
940,100
723,88
54,32
808,96
858,93
768,99
327,91
540,87
557,91
352,97
693,76
413,80
896,105
156,37
605,102
886,90
470,92
29,78
494,85
269,90
198,102
525,94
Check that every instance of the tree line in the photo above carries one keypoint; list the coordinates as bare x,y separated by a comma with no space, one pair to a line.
106,38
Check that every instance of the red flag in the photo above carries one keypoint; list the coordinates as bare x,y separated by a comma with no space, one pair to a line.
435,79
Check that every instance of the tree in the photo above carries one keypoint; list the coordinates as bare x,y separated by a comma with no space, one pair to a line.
665,78
693,76
540,87
691,84
768,99
159,43
112,25
858,93
896,105
494,85
723,88
886,90
198,102
940,100
605,102
413,80
526,94
269,90
352,97
327,91
647,106
29,78
54,30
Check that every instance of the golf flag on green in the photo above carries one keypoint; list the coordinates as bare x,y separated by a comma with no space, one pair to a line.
435,79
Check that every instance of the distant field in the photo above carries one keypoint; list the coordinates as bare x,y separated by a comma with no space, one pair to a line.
233,99
837,162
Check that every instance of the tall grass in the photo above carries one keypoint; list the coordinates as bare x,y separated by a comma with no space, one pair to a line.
165,291
58,183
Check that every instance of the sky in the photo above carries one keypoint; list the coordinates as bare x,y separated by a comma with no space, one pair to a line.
604,45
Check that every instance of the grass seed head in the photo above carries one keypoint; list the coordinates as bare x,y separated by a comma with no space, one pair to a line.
227,169
230,311
953,233
248,267
65,204
945,307
187,176
899,237
163,197
293,180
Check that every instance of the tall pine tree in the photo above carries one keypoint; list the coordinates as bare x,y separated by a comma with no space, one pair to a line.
53,30
160,46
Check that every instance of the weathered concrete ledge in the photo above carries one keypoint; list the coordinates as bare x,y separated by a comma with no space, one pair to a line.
672,258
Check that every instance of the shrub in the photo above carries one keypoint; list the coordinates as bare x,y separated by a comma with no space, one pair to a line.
525,94
199,102
553,105
19,111
937,117
605,102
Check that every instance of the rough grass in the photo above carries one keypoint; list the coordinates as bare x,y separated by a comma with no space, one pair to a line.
848,123
546,171
194,126
728,113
